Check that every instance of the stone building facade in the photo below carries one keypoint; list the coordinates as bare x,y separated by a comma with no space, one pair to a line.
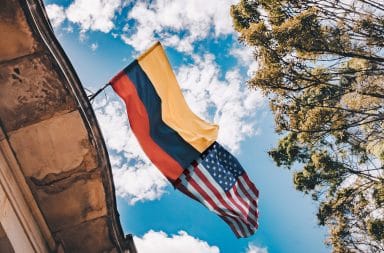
56,187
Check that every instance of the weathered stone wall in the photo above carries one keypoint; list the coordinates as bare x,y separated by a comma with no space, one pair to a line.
53,135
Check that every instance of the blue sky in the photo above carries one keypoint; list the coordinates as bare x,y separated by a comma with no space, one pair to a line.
101,37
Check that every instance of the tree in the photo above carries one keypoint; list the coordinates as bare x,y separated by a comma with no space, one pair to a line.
321,63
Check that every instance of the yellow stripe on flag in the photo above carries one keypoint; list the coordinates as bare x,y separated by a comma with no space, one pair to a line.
175,111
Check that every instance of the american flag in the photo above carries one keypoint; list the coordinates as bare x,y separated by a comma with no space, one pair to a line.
218,181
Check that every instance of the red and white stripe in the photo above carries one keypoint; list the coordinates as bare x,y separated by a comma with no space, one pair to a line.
237,207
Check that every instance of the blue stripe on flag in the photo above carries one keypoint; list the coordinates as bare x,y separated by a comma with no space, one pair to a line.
167,138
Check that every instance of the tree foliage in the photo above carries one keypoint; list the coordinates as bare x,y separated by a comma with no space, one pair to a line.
321,63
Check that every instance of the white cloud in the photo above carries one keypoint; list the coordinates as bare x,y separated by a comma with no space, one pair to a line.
96,15
94,46
160,242
139,182
136,179
177,23
68,29
226,102
245,56
255,249
56,14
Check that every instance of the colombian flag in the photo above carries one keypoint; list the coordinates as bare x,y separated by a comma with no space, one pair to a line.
183,146
171,135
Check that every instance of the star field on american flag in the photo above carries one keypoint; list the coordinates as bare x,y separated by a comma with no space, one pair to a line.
218,181
222,166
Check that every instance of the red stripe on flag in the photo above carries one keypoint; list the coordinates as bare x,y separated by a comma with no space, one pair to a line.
139,121
253,189
248,206
253,205
231,225
242,211
250,185
184,189
219,197
245,191
242,215
210,201
215,192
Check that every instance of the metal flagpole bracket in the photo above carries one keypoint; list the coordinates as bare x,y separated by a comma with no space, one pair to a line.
91,97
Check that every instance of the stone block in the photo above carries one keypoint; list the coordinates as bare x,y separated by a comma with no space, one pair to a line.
91,236
52,147
16,37
66,207
31,90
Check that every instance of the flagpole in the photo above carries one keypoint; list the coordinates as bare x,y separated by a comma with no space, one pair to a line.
91,97
98,92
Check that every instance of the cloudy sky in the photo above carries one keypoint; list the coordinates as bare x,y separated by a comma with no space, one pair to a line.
101,37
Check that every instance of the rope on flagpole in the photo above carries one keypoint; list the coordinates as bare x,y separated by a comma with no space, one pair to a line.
91,97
